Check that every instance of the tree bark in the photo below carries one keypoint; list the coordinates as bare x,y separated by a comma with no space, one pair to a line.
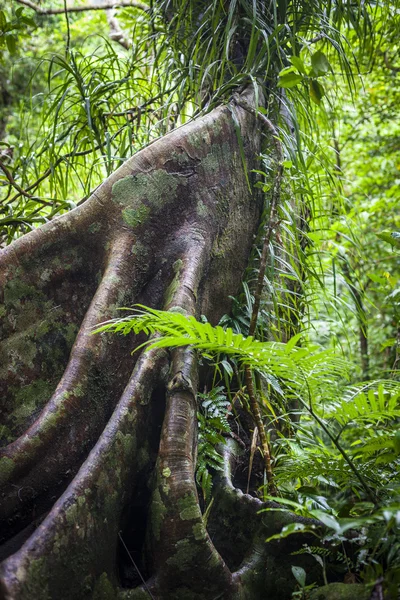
99,446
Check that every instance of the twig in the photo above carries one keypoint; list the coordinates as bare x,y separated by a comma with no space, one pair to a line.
389,65
50,170
108,5
133,109
317,38
12,181
68,28
116,33
136,567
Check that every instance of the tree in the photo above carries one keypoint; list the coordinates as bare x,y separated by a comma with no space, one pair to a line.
101,446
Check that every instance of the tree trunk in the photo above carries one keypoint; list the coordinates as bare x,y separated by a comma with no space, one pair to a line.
99,446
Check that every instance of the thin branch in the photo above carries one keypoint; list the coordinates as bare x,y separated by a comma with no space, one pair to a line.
116,33
139,109
106,6
389,65
276,194
316,39
49,171
68,28
12,181
274,204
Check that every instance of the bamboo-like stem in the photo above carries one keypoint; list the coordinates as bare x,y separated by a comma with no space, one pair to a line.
256,413
108,5
276,193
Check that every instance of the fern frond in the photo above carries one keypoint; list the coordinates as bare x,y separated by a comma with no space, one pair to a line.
284,362
374,406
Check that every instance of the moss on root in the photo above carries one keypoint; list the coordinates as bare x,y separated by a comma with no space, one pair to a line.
104,589
341,591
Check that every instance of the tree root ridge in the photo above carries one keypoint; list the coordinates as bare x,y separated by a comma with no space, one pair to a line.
106,453
257,567
79,536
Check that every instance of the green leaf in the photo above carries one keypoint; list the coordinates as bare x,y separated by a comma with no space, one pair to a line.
317,92
320,64
327,520
300,575
391,237
287,164
3,20
289,80
298,63
290,530
11,43
28,21
377,278
388,343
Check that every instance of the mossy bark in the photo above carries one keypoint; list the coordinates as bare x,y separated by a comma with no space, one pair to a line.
99,446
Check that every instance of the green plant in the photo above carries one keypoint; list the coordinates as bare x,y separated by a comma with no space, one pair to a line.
213,423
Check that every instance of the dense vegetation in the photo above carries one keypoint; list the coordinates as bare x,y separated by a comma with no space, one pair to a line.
81,92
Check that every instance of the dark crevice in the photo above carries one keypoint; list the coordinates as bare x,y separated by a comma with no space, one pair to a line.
131,562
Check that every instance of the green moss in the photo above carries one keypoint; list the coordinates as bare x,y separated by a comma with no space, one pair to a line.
212,162
140,250
157,514
35,583
127,441
341,591
16,289
140,194
22,350
6,435
61,542
199,531
22,413
2,310
94,227
166,472
81,500
189,514
38,393
103,590
50,422
71,514
135,216
174,285
201,209
185,555
6,468
70,334
188,508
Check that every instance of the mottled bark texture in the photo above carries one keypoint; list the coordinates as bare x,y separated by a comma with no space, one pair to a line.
99,446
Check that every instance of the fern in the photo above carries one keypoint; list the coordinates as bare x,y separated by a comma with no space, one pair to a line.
278,362
212,421
374,406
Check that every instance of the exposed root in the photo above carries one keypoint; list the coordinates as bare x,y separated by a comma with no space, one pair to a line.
77,541
53,447
259,568
178,542
184,199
